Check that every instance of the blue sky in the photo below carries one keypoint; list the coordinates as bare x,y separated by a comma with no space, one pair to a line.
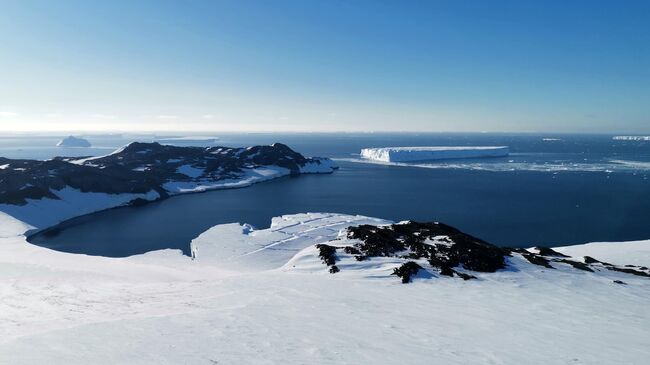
564,66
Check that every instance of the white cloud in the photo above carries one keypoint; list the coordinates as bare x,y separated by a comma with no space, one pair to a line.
104,116
8,114
167,117
208,116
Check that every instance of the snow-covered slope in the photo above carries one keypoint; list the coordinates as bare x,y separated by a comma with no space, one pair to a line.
632,252
405,154
265,297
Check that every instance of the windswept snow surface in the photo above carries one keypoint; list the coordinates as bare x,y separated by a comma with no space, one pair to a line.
406,154
264,297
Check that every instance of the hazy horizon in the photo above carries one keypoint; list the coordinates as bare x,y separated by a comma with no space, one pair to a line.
336,66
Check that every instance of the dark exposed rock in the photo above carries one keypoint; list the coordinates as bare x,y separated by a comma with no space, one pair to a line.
407,270
464,276
328,256
446,271
351,250
629,271
138,168
620,282
537,260
590,260
448,250
451,248
547,251
577,265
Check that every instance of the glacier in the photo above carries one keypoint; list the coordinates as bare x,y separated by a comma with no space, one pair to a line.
407,154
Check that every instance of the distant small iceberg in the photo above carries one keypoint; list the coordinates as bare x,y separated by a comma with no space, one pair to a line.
551,139
407,154
631,138
72,141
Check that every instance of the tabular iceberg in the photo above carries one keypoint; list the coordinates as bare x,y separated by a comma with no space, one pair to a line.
631,138
405,154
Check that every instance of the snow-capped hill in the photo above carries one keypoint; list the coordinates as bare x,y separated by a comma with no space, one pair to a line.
369,247
406,154
73,141
138,172
435,249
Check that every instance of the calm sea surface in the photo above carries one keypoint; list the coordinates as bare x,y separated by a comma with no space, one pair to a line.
552,190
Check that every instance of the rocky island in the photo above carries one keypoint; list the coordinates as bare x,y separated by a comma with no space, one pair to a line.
32,190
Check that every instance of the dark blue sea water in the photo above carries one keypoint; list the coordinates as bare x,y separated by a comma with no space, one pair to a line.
553,190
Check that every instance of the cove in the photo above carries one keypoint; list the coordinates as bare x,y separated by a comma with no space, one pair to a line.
518,208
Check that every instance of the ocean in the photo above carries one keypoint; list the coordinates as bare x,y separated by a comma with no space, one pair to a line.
553,190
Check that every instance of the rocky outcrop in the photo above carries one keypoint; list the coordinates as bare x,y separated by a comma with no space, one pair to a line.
142,167
444,249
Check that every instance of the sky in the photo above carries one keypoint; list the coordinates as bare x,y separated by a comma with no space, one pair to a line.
282,65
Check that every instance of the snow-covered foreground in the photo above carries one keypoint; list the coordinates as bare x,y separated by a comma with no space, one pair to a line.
264,297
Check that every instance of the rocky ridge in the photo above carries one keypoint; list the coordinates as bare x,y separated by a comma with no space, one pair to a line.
139,168
442,249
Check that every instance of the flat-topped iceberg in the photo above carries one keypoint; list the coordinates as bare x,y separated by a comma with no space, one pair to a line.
631,138
73,141
406,154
